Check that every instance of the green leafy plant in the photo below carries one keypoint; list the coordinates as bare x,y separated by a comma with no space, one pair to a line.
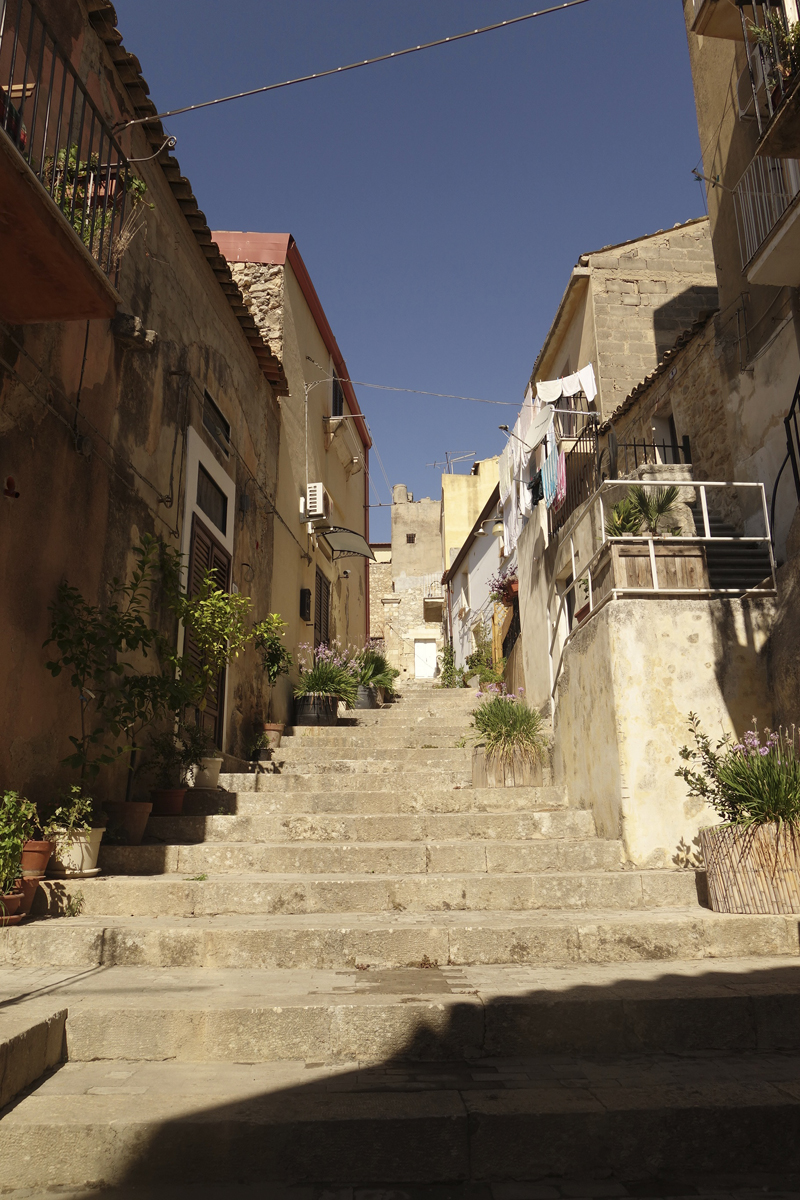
72,816
481,662
103,648
749,783
450,676
18,822
780,44
74,905
644,509
507,726
374,669
176,753
94,197
325,678
268,636
217,621
260,742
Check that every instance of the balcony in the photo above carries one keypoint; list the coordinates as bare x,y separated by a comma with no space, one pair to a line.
65,184
769,86
766,204
720,19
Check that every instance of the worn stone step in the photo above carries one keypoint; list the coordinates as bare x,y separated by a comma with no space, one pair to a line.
428,798
456,766
339,940
242,891
521,1118
373,776
396,858
414,738
373,827
435,1014
447,757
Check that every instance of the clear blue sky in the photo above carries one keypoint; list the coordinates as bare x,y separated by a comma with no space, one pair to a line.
439,201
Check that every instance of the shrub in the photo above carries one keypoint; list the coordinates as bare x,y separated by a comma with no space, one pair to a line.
507,725
752,782
269,635
643,509
328,671
72,816
374,669
480,662
18,823
451,676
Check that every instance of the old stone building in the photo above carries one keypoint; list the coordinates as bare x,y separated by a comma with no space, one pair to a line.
136,394
405,585
319,588
625,305
463,498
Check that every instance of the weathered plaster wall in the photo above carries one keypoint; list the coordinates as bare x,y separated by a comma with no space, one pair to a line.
418,519
630,678
471,591
380,584
463,500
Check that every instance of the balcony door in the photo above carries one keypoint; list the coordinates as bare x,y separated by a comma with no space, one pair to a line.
207,554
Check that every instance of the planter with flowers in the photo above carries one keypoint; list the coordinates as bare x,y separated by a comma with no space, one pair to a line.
18,820
752,859
504,587
328,678
276,660
75,823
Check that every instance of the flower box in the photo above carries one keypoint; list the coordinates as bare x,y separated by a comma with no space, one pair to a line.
753,869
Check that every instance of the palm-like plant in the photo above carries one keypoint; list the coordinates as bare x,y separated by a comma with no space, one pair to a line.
644,509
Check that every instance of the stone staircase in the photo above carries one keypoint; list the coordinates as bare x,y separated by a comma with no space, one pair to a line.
357,969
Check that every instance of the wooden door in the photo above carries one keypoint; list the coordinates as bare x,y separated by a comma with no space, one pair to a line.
206,554
322,607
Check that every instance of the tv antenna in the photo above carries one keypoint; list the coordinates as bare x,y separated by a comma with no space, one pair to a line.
451,458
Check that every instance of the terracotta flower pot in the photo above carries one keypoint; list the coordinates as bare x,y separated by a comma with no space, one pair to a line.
166,802
130,816
35,857
28,885
77,857
581,613
316,710
274,733
9,908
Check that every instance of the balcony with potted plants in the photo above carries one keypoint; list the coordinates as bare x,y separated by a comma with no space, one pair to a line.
66,187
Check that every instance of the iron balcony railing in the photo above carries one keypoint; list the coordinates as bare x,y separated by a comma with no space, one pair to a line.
767,189
772,63
582,473
432,588
569,608
634,454
48,115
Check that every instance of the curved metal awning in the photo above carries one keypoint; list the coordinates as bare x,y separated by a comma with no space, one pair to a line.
345,542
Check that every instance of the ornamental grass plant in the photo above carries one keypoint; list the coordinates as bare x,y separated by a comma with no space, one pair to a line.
328,671
749,783
506,725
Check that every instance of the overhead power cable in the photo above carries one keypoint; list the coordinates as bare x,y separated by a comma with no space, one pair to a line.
384,387
367,62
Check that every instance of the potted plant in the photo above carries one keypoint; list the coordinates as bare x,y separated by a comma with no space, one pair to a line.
504,587
583,611
262,746
276,660
17,822
375,677
328,677
752,859
75,824
174,760
511,744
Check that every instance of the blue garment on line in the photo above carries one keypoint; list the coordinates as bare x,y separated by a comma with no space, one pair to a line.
550,471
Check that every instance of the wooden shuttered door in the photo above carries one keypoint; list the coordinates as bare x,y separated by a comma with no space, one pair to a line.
322,606
206,554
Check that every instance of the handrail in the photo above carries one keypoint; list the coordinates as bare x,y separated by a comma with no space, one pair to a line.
650,540
57,129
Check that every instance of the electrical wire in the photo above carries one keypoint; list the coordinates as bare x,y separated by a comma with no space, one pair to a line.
271,87
384,387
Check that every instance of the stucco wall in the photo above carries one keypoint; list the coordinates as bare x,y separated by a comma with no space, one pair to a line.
630,678
472,581
463,500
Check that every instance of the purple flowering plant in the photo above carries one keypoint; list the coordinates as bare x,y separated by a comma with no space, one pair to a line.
500,586
755,781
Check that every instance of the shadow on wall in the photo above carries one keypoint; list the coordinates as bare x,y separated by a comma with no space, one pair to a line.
578,1099
741,638
679,313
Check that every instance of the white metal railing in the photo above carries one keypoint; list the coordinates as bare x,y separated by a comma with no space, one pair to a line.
761,197
559,633
432,588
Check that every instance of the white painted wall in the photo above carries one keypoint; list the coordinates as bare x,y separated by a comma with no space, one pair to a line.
472,583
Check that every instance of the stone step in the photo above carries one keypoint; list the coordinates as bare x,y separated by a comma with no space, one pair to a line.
372,827
446,758
414,738
436,1014
144,1123
384,858
244,892
371,775
412,798
337,940
458,769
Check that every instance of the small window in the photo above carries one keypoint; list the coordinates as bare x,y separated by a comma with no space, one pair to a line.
212,500
411,538
216,424
337,398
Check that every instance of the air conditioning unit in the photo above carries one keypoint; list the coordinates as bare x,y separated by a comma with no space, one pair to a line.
318,503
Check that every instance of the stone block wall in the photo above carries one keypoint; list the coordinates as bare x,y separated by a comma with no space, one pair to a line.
262,285
380,584
403,624
644,296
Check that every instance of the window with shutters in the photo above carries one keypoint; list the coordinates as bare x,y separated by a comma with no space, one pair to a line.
206,554
337,398
322,606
